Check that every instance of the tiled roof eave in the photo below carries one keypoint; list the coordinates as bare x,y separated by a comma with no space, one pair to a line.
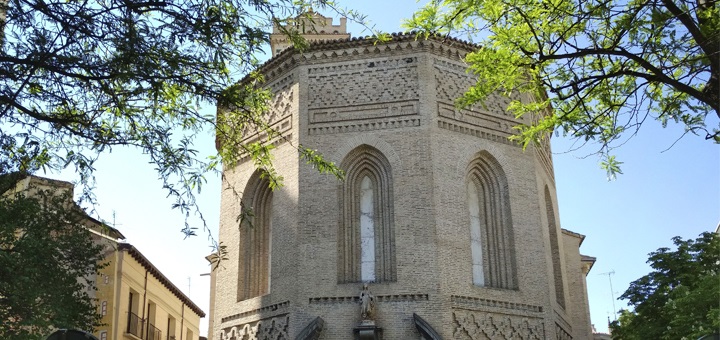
574,234
138,256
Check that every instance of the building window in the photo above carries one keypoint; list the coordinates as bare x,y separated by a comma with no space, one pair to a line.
554,249
476,238
367,231
366,238
103,308
171,328
106,279
491,236
152,332
255,243
103,335
134,324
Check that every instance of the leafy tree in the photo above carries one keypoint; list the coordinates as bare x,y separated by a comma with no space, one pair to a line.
47,263
78,78
604,67
680,298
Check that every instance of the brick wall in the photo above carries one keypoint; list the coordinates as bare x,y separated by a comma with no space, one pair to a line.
398,99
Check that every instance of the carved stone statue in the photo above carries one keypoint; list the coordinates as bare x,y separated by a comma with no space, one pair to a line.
367,303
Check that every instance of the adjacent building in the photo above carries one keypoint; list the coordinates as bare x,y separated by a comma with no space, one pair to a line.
136,301
441,229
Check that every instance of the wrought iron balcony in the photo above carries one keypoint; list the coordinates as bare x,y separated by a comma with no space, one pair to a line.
135,325
153,333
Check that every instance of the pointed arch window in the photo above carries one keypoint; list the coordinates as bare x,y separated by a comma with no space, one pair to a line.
491,235
367,231
554,249
477,225
366,238
255,242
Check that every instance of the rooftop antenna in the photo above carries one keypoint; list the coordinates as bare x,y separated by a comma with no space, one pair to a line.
114,224
188,286
612,293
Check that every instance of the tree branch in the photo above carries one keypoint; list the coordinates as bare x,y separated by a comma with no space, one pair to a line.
655,73
701,39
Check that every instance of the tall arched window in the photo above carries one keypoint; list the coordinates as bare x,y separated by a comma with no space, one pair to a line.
554,249
477,225
367,231
366,238
255,243
491,235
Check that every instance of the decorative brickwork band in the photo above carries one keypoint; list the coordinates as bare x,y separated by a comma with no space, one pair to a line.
452,81
275,328
474,302
367,82
362,126
278,308
379,298
562,323
352,97
491,326
474,131
491,120
561,334
364,112
254,247
278,116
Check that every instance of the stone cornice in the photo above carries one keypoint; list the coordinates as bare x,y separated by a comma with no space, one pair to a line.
352,48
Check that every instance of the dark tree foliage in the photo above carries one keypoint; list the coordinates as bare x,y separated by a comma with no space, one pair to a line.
680,298
48,262
599,68
80,77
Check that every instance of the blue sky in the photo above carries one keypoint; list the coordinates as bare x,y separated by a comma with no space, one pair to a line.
666,190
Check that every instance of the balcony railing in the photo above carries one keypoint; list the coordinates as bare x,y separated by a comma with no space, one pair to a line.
153,333
135,325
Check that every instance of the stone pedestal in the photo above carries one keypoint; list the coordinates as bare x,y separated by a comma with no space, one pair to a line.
367,330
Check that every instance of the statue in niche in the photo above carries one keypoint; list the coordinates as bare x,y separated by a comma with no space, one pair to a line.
367,303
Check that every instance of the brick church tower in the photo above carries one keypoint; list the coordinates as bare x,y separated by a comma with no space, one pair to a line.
442,228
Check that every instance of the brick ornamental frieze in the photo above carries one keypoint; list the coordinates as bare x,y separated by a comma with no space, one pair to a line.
468,302
369,95
274,328
379,298
491,121
280,109
278,308
472,325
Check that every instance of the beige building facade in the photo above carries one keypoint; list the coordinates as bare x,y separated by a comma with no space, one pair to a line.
135,300
454,229
138,302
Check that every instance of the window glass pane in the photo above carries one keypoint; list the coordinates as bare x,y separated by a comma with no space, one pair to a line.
475,235
367,231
